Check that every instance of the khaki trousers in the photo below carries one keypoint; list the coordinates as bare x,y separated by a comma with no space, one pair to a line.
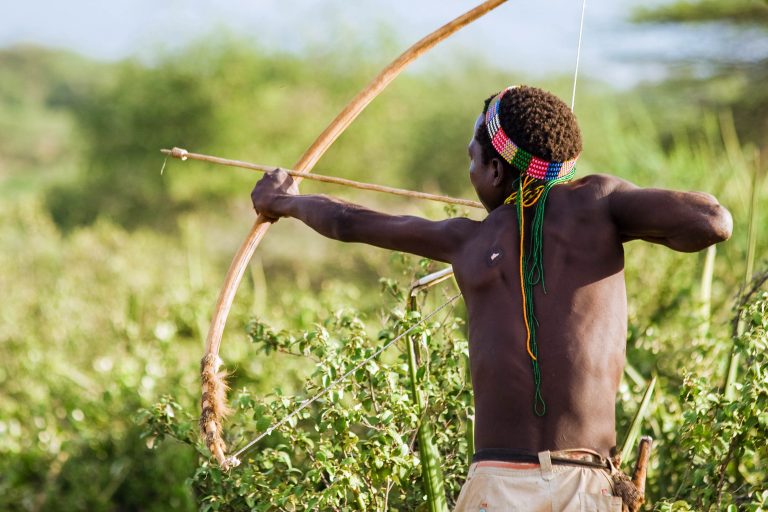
493,486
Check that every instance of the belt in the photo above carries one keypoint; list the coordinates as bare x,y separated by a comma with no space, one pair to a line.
584,458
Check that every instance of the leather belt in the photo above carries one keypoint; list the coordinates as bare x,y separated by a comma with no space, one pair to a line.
509,455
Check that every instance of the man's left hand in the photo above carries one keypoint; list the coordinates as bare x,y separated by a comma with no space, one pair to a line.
273,186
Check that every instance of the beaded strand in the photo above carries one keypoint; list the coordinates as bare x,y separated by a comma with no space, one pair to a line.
537,177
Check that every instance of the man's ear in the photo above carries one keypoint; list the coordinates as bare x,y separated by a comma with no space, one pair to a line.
498,172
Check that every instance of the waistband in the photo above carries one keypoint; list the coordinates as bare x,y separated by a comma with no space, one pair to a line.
572,457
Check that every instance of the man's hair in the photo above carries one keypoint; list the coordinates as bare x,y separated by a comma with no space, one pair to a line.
536,121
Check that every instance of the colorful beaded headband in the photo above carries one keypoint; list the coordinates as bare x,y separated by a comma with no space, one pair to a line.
527,163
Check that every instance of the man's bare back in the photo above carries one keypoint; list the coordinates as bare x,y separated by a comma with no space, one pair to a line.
582,326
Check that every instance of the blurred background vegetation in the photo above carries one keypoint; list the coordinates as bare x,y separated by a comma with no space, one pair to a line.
110,268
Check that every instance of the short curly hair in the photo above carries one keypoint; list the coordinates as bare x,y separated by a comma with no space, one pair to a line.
538,122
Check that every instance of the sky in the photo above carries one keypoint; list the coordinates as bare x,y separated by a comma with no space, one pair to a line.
536,37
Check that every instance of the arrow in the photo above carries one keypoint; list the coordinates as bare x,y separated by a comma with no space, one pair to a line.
183,154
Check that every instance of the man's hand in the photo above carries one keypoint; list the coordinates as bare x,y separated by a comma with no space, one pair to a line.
269,190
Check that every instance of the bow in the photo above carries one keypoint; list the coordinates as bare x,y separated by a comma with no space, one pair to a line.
213,402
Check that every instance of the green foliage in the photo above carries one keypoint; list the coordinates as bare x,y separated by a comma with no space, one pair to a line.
356,448
83,341
723,439
747,12
723,82
39,142
353,448
123,123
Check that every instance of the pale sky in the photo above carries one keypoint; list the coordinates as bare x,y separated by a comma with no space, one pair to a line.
536,37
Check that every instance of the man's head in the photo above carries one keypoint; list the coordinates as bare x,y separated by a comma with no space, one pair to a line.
537,122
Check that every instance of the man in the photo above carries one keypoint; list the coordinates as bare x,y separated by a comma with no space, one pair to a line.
542,278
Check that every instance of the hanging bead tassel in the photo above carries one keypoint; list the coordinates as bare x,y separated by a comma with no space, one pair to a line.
533,192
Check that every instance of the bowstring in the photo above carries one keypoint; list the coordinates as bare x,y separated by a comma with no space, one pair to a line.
233,460
578,53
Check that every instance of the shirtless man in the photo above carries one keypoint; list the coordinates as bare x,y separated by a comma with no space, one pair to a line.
548,453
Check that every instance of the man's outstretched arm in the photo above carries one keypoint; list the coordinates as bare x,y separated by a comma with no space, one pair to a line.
275,196
683,221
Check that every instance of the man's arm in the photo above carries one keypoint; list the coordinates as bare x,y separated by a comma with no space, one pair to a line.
275,196
683,221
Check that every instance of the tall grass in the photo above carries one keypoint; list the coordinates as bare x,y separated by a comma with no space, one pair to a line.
732,368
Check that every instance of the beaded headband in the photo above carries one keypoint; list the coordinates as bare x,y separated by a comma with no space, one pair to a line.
525,162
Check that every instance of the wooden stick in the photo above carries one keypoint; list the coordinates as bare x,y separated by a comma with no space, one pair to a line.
641,464
183,154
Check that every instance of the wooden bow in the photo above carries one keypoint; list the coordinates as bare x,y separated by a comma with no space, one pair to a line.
214,407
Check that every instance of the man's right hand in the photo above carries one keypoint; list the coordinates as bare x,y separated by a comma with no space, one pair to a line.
267,192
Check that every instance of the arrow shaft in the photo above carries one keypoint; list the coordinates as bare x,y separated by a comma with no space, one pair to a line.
183,154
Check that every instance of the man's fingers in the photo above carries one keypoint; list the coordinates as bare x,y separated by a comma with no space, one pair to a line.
268,217
271,220
285,180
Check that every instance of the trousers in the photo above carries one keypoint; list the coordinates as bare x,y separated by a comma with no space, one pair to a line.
493,486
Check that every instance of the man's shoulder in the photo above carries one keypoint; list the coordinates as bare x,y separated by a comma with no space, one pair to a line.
598,181
595,186
460,229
